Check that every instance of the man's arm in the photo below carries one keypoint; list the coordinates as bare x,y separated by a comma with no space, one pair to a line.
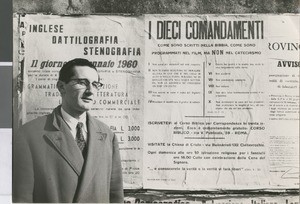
116,183
23,181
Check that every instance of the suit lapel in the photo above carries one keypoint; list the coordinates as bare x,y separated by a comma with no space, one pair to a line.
65,144
96,143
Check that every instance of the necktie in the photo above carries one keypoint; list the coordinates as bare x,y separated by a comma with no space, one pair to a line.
79,137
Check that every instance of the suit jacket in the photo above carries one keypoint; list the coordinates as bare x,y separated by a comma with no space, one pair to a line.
49,167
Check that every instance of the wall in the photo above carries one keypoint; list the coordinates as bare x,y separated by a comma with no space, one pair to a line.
155,6
168,6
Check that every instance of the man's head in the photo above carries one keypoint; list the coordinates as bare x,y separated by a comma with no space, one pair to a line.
78,81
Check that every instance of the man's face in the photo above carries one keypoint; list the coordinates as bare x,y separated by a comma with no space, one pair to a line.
76,97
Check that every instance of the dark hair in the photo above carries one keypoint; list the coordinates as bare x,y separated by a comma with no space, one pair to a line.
66,72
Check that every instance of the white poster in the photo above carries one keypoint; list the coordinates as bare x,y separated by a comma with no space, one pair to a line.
221,102
117,51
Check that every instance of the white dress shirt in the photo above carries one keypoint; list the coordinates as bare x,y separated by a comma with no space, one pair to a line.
72,123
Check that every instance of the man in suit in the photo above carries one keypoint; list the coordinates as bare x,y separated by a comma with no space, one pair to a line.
68,156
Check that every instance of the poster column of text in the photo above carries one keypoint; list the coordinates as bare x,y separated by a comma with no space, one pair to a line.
283,65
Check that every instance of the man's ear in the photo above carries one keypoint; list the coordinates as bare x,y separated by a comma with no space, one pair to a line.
60,85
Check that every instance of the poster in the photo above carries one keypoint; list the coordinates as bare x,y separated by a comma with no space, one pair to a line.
110,43
198,102
225,90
